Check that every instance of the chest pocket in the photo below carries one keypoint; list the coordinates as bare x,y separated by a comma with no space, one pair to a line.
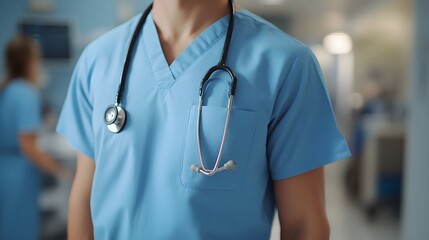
238,147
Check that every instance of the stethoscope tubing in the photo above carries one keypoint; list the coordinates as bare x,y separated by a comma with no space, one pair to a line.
127,59
210,172
117,122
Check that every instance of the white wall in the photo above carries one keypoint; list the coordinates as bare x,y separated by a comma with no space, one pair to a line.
416,198
382,44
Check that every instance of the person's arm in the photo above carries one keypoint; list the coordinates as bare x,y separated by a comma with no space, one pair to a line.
28,145
300,202
79,216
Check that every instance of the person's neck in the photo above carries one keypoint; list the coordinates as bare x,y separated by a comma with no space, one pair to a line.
176,18
178,22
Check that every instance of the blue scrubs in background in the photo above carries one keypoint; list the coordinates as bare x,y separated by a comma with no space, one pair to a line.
20,112
281,125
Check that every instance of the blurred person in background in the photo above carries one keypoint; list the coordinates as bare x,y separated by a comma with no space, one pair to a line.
20,158
375,106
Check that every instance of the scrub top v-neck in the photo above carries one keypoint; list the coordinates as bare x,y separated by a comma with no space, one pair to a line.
165,75
281,125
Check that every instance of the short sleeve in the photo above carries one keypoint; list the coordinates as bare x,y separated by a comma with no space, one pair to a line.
303,134
28,109
75,121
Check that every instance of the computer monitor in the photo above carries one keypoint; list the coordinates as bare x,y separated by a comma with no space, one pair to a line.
53,38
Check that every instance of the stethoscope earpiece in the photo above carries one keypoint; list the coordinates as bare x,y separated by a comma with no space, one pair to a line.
230,165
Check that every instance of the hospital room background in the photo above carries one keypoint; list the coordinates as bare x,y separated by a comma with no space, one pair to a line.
375,58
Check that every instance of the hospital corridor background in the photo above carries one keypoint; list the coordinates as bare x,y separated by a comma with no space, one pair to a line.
374,55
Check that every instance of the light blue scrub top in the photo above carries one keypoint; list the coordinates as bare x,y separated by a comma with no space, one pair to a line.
20,112
281,125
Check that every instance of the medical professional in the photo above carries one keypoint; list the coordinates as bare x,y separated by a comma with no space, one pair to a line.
20,158
195,120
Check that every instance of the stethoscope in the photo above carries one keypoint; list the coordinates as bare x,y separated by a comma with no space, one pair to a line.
115,115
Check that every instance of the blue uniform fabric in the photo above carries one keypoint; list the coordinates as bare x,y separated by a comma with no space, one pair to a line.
20,112
281,125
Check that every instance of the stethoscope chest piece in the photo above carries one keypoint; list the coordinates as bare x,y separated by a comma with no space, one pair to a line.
114,118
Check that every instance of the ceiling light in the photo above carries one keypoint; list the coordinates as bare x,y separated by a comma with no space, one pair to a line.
273,2
338,43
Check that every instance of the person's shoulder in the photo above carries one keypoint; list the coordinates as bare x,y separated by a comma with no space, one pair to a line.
20,89
276,49
22,86
113,41
266,35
